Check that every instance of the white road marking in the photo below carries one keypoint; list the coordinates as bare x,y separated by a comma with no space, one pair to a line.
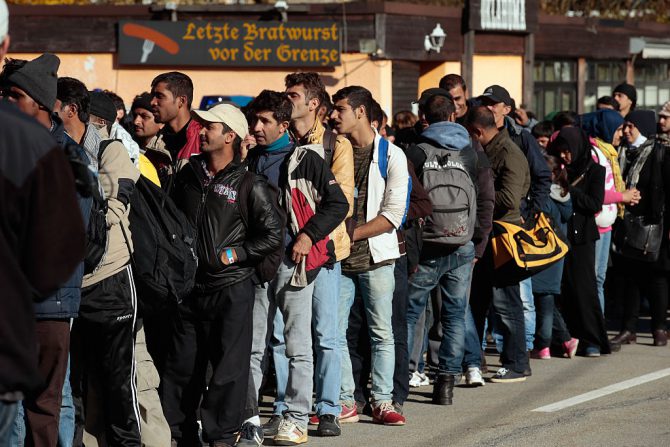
595,394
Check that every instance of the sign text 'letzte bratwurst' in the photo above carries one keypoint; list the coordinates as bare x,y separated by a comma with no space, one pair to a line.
231,43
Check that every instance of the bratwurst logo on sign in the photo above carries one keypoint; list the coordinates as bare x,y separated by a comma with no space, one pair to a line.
230,43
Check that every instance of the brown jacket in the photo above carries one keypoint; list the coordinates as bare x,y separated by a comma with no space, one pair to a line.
342,167
117,175
511,177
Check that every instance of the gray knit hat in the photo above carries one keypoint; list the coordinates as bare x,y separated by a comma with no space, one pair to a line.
39,79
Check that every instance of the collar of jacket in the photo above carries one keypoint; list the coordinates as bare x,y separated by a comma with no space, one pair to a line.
200,168
315,135
512,127
497,141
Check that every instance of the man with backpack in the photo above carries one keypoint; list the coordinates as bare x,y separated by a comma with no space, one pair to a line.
103,339
306,90
215,322
446,163
315,206
381,197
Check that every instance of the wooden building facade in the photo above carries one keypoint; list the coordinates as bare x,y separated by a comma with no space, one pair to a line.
547,62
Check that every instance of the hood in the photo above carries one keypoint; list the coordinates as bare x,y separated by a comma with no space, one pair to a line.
601,124
577,143
448,135
512,127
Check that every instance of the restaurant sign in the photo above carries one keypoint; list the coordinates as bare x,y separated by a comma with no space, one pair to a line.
229,43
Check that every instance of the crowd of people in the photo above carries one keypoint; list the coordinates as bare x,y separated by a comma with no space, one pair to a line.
341,260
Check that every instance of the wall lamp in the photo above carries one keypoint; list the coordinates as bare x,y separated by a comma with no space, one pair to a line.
435,40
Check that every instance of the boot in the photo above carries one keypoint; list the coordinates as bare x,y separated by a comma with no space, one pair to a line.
625,338
443,389
660,337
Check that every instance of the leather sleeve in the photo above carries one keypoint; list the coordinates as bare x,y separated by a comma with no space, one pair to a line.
264,235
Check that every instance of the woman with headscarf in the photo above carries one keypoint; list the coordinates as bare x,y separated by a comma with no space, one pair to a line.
645,165
602,126
581,308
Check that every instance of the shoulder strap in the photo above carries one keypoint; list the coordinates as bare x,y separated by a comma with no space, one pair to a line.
104,144
329,140
383,158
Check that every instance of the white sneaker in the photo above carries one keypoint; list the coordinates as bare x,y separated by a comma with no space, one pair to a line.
290,433
473,377
418,379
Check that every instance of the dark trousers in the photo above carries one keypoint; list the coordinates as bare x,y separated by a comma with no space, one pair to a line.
215,328
655,284
43,412
549,327
581,306
358,340
492,288
102,369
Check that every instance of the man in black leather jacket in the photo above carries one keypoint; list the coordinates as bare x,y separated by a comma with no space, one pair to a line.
215,323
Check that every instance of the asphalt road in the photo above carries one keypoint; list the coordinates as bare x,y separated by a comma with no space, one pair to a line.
502,414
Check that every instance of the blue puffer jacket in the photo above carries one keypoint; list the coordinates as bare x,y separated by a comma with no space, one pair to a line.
65,302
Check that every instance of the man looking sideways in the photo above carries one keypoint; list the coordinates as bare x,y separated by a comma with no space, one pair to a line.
216,324
381,181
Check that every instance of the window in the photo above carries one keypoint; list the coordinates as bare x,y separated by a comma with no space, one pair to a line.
652,81
555,87
601,78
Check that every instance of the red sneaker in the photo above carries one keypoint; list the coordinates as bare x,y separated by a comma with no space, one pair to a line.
570,347
386,414
348,414
314,420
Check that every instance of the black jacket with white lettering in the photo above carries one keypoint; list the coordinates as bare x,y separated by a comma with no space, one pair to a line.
212,206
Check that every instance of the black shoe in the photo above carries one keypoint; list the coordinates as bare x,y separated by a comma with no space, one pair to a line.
505,375
328,426
271,427
250,435
443,389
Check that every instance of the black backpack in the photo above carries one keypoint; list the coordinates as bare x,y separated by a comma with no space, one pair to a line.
164,257
266,270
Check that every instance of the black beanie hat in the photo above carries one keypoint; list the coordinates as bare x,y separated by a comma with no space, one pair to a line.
142,101
103,106
39,79
644,120
627,90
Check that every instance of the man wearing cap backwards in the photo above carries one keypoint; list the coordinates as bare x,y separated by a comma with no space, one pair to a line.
626,96
215,324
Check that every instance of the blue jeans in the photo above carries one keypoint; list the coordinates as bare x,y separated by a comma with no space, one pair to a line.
325,304
602,256
7,417
294,305
376,288
550,325
509,319
452,273
17,435
66,423
526,290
